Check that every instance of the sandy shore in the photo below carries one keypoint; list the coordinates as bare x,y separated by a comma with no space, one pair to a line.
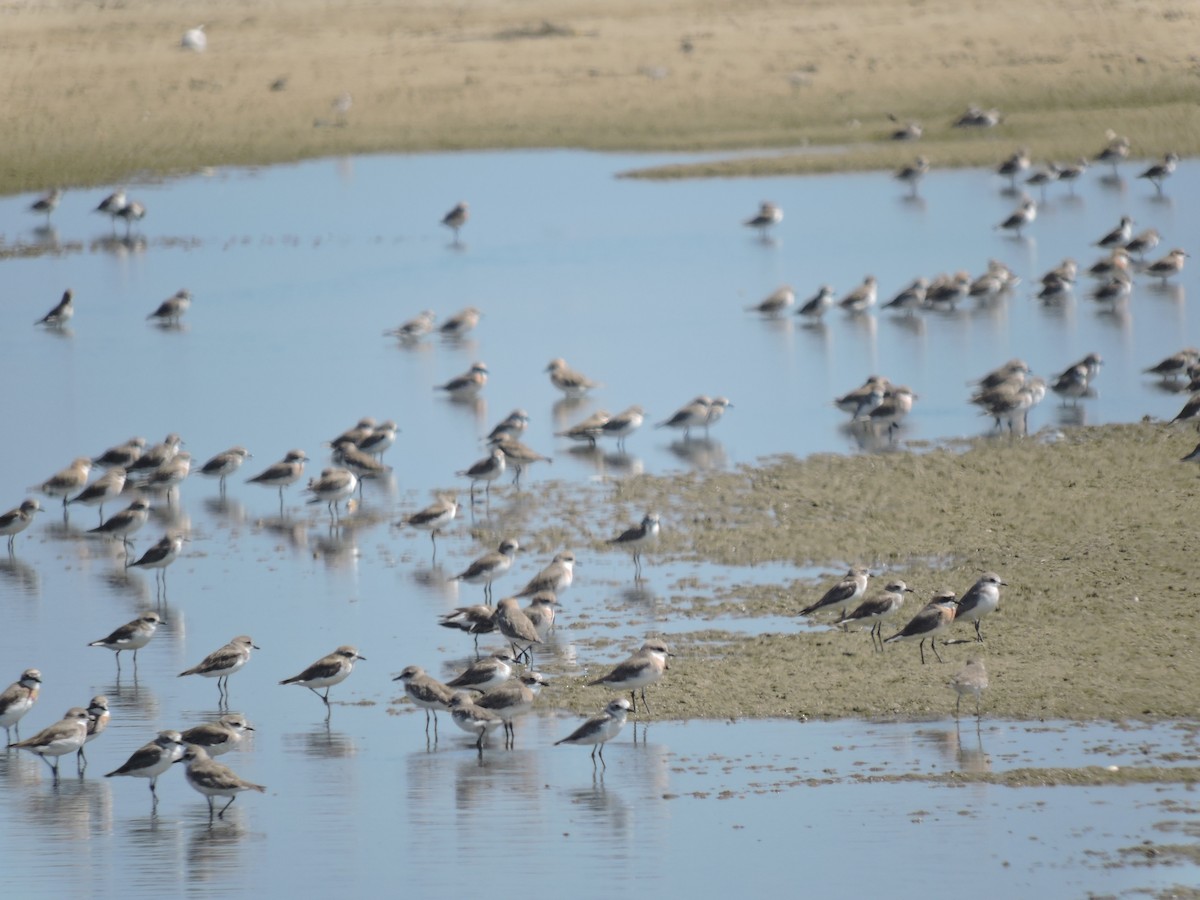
1092,533
102,93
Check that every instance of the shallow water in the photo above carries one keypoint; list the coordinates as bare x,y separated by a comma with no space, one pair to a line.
296,271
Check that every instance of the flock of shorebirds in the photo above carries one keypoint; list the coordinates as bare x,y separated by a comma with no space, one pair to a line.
492,692
1009,392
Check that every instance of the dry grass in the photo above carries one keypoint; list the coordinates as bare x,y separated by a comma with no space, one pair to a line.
100,93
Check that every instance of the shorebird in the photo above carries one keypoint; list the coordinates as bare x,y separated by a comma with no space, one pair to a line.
46,205
1072,383
332,487
1175,365
768,216
225,464
434,517
473,719
1157,173
975,117
103,489
112,205
1022,216
972,678
893,409
170,474
912,174
341,106
220,736
214,779
17,520
775,302
489,567
426,693
508,701
1014,166
877,609
486,470
62,312
456,218
1190,410
327,671
937,616
846,592
1072,172
132,211
194,39
864,398
98,718
623,424
153,759
1114,152
912,297
16,700
222,663
380,439
474,620
689,416
122,455
468,385
637,538
170,311
1048,174
587,430
541,612
66,482
600,729
414,329
518,455
460,323
861,298
644,668
287,471
124,523
1171,264
1141,244
1119,236
153,458
814,307
572,383
65,736
910,131
982,598
485,674
512,425
557,576
514,624
131,636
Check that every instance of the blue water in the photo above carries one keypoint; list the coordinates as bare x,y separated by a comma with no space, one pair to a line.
296,271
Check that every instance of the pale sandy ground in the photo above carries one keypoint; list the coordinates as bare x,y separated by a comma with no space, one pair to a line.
96,93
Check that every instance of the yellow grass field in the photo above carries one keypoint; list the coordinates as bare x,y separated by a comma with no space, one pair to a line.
97,93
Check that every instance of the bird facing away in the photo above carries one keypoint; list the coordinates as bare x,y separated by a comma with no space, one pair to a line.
972,678
426,692
456,218
214,779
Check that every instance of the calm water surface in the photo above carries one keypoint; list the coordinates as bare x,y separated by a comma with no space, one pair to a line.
296,271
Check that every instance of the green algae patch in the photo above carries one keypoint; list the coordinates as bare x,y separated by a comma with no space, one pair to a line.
1093,533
